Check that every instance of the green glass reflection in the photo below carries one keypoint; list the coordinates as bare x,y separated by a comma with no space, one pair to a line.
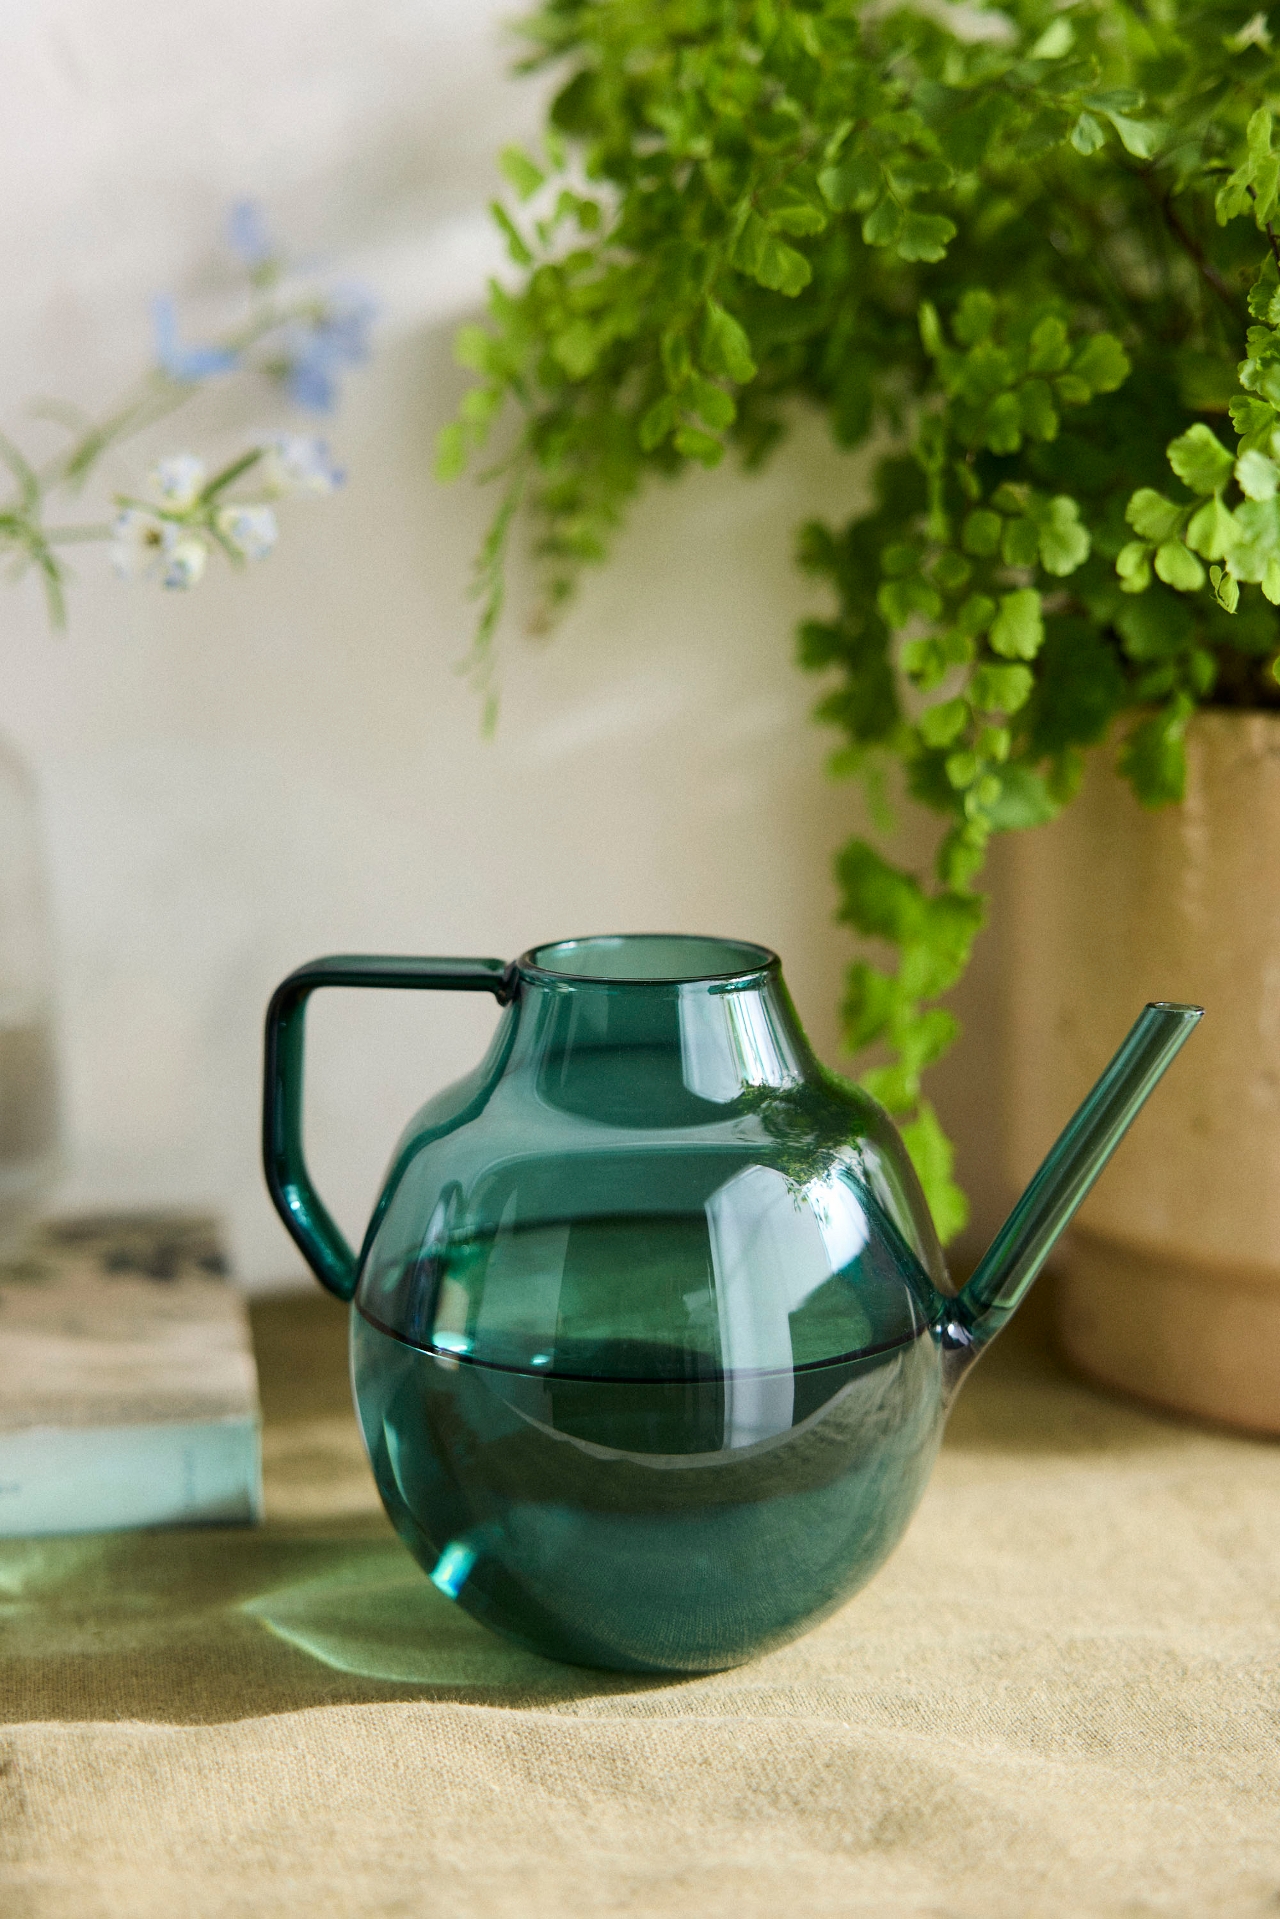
638,1524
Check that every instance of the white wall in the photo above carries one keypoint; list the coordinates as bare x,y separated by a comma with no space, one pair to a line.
287,763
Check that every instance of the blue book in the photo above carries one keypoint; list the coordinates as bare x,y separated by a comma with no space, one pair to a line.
128,1391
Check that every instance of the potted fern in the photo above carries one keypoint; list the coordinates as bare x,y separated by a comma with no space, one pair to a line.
1026,255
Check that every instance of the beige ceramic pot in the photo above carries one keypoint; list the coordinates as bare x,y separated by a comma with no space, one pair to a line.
1171,1280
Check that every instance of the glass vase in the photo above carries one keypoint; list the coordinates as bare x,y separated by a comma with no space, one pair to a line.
29,1103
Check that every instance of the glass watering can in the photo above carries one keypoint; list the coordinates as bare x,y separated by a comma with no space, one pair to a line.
653,1340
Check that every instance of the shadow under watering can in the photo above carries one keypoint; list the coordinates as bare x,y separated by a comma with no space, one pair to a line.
653,1340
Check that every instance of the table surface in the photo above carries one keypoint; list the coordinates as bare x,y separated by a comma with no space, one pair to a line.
1058,1699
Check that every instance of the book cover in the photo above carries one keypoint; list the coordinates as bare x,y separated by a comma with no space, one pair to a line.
128,1391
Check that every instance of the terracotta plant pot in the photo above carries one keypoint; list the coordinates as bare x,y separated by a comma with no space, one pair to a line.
1170,1283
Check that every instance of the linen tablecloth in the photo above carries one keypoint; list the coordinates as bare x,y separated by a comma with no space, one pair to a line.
1059,1698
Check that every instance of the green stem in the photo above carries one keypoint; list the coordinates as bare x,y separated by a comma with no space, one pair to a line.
229,474
1228,294
22,471
158,395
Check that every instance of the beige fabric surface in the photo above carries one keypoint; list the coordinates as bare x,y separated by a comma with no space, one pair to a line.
1058,1699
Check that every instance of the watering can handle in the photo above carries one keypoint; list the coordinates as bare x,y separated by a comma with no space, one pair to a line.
289,1183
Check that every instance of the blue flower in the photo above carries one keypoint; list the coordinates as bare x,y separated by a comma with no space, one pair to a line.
337,337
292,463
178,480
247,231
187,363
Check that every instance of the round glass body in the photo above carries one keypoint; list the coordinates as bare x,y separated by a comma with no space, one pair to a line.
646,1340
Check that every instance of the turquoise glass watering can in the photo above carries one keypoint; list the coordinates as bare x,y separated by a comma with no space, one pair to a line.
653,1340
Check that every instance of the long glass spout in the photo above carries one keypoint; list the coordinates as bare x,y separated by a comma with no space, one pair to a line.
1074,1162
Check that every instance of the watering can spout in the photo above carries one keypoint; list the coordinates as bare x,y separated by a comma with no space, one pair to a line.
1074,1162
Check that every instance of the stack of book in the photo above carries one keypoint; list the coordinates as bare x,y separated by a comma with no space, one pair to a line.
128,1392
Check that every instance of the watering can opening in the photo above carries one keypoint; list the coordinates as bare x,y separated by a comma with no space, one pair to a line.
648,959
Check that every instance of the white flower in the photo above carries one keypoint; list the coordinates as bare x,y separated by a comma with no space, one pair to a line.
251,529
184,557
178,480
143,544
294,463
137,543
